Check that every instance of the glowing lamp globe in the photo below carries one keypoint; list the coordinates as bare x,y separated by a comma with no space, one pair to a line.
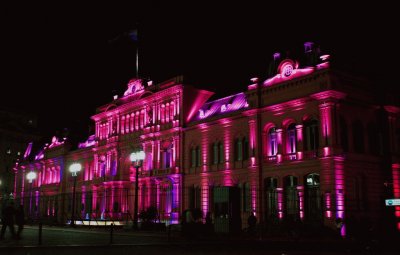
74,168
140,155
31,176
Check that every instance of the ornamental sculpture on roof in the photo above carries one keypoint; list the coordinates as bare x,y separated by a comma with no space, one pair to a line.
135,86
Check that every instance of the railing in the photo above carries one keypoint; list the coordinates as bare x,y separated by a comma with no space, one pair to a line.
310,154
290,156
270,159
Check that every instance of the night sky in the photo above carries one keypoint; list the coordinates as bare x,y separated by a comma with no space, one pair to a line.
62,60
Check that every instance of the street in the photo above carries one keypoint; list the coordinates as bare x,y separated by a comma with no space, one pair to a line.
66,240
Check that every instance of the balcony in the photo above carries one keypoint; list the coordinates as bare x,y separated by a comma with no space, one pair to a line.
290,156
310,154
270,159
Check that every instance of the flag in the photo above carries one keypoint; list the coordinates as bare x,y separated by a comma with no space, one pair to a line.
133,34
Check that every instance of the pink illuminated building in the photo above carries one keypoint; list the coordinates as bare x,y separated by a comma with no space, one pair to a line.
309,143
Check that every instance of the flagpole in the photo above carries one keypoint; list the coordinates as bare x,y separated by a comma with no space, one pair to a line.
137,54
137,60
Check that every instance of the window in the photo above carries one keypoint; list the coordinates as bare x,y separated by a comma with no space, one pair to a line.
239,149
215,153
166,154
102,169
311,135
114,168
198,156
221,153
291,197
194,197
245,148
193,158
271,185
313,180
167,158
291,138
312,198
273,142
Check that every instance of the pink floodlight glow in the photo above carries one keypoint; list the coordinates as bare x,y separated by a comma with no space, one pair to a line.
227,144
339,187
328,205
324,57
396,190
299,155
300,190
327,151
278,158
280,202
40,155
204,195
28,150
253,161
227,178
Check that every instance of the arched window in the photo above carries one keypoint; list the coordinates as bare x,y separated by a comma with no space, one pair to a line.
272,142
198,156
142,119
218,153
245,148
113,167
127,118
291,138
132,124
123,125
312,197
166,155
194,197
193,157
167,111
238,149
215,153
221,153
358,191
137,120
358,136
311,135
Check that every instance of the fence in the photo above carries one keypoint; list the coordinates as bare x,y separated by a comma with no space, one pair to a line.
229,207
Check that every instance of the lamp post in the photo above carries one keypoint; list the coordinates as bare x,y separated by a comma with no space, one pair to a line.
74,168
30,176
137,159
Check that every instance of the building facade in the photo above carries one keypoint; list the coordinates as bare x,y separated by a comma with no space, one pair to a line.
308,144
17,129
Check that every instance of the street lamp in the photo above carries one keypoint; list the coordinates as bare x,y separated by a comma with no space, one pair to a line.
137,159
74,168
31,176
